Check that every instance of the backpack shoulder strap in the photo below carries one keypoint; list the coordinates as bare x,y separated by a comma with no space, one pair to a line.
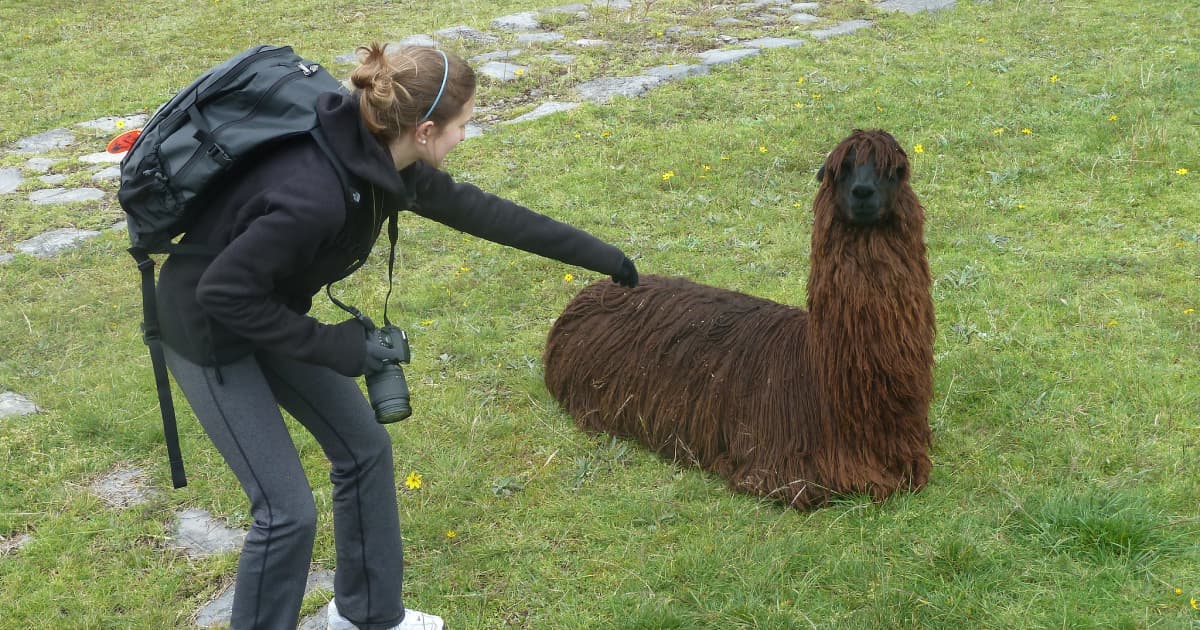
162,383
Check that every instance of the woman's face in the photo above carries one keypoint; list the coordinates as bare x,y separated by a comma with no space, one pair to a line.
442,138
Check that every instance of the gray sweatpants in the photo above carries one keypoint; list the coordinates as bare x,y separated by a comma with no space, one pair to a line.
240,412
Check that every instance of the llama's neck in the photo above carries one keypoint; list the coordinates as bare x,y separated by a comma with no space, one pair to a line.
870,330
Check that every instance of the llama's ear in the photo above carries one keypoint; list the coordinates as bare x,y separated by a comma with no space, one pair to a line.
821,173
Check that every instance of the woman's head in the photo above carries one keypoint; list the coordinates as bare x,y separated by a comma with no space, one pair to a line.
415,90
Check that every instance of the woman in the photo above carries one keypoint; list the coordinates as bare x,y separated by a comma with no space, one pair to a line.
241,345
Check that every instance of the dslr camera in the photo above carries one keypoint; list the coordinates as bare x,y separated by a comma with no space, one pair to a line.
386,388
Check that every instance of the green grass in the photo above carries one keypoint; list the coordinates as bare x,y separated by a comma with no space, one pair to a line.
1065,415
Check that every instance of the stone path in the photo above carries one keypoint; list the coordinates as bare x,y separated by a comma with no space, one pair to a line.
197,533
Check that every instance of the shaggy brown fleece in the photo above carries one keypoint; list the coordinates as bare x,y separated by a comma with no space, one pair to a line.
791,404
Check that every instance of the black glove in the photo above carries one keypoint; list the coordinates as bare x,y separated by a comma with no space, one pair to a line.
378,354
627,276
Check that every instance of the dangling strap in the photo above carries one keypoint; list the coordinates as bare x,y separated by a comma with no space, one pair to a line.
162,382
393,236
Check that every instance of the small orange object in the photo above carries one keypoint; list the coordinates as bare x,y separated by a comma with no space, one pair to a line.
123,142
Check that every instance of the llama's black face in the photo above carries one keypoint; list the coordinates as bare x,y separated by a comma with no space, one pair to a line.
864,174
862,192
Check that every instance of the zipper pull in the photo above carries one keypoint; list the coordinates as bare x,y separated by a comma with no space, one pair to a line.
308,70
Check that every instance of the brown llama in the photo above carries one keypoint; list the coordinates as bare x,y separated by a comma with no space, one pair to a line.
795,405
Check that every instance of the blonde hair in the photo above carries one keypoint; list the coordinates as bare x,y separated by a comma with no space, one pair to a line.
400,87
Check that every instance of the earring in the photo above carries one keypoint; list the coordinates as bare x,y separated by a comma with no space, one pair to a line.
422,140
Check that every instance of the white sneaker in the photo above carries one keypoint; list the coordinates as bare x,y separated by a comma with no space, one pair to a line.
413,620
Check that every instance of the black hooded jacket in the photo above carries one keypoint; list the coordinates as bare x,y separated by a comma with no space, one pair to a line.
284,231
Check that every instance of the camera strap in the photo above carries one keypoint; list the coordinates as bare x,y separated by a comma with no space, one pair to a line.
393,236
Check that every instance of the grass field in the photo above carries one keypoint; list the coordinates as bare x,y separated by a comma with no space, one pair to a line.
1055,145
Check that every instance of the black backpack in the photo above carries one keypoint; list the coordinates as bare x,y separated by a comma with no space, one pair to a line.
259,97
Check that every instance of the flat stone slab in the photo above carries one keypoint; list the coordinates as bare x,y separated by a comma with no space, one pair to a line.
803,18
603,90
761,4
103,157
618,5
414,40
719,57
6,257
15,405
466,34
538,38
844,28
45,141
774,42
220,610
592,43
518,22
676,71
115,123
545,109
497,55
123,488
110,173
14,544
41,164
501,71
10,179
916,6
54,242
52,180
62,195
199,534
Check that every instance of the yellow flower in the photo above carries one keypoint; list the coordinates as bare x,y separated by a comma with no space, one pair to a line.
968,84
666,177
816,96
762,149
1188,311
413,481
1112,118
426,322
800,81
1054,78
1111,323
451,534
998,131
706,168
1178,591
920,148
605,134
981,40
879,109
1020,206
1192,601
578,136
1027,131
725,158
519,71
1181,171
120,124
798,104
568,278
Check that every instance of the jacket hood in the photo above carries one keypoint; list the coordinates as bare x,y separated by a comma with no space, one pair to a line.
357,148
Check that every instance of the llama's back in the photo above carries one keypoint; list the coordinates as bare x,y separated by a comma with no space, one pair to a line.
687,368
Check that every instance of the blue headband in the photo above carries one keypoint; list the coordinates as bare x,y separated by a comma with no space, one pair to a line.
445,75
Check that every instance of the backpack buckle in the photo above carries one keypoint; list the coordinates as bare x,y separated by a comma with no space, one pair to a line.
218,155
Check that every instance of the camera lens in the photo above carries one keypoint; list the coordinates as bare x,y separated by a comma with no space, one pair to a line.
388,392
